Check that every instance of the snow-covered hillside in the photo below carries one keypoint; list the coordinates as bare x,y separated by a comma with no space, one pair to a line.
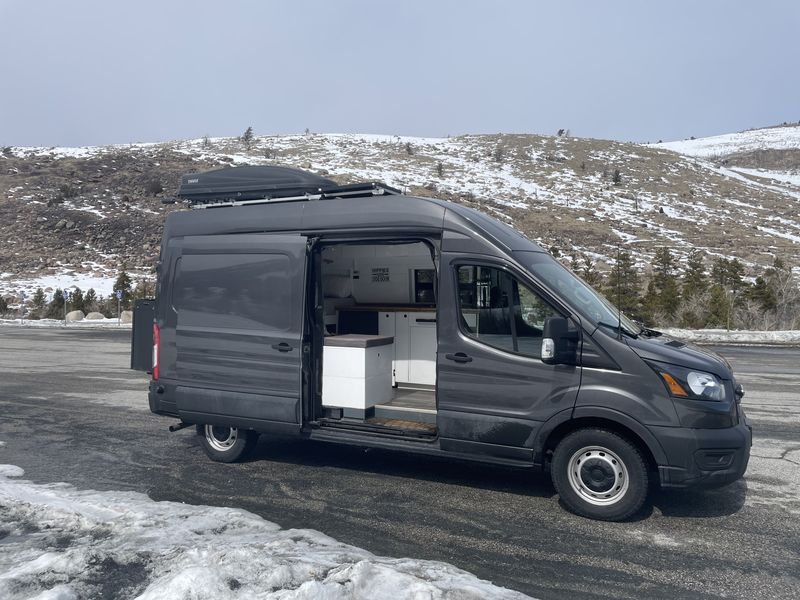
71,211
771,138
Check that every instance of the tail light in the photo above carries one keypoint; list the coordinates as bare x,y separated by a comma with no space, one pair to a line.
156,349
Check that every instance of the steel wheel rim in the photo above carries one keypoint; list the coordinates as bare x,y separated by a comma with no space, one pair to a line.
221,438
598,476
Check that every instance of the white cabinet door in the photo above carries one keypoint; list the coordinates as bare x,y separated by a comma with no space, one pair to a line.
386,326
422,348
402,336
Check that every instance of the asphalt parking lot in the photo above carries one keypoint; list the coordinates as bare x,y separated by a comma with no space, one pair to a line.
71,410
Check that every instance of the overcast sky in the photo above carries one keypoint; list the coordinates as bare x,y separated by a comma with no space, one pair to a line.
101,71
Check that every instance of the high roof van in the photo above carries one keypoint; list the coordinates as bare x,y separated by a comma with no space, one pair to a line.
287,304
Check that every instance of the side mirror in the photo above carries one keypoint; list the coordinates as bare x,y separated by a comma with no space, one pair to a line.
559,344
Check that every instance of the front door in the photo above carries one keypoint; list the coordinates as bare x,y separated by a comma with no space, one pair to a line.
238,302
493,390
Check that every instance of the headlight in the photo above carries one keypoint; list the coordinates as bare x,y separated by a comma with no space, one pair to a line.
686,383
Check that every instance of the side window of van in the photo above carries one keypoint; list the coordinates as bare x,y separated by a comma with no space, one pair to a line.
238,291
499,311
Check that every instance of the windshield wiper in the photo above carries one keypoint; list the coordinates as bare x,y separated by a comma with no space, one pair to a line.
647,331
618,327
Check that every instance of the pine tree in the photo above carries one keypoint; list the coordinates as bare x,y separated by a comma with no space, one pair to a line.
763,293
667,284
695,279
38,301
247,138
589,273
55,309
719,306
623,286
124,283
90,301
76,300
3,306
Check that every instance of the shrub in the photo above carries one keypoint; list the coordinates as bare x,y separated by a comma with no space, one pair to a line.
153,187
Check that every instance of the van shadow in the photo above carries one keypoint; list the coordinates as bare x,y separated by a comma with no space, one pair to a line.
700,503
444,470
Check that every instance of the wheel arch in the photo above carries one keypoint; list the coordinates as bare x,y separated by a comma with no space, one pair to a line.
564,423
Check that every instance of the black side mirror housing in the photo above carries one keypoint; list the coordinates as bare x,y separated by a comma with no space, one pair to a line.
559,343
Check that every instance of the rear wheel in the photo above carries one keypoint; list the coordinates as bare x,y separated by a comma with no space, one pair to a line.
600,475
226,444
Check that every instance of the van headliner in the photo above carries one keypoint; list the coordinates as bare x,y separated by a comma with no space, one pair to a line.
375,214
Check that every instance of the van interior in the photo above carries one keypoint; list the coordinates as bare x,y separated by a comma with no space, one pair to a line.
376,337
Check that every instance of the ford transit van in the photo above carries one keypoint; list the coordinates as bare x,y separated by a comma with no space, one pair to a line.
287,304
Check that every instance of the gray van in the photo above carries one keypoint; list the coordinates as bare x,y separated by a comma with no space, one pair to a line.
289,305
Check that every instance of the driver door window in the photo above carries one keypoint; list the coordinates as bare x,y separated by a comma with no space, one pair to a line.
499,311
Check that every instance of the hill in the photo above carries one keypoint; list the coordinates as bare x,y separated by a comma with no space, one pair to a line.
77,214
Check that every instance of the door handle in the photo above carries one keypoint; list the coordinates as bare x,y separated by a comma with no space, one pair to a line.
459,357
282,347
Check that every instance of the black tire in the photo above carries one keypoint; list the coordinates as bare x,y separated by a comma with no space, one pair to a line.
600,475
226,444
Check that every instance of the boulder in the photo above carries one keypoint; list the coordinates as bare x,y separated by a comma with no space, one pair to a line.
127,316
75,315
95,316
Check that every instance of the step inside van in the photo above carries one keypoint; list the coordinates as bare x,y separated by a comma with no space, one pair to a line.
289,305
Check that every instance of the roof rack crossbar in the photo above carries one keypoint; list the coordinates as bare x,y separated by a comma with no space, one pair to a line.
353,191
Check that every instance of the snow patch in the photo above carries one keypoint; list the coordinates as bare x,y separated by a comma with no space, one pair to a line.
63,542
723,336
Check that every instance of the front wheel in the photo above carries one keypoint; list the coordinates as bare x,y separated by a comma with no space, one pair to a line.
600,475
226,444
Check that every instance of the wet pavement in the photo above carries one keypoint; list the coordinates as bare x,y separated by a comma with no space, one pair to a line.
71,410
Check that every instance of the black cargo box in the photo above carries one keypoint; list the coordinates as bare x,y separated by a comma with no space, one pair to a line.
250,183
242,184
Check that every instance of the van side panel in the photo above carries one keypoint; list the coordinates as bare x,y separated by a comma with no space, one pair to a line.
235,323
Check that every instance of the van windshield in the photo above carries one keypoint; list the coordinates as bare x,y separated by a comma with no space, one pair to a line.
560,279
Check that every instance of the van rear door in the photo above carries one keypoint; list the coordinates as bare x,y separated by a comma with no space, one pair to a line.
239,302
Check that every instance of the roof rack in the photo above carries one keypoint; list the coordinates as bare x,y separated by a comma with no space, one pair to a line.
242,186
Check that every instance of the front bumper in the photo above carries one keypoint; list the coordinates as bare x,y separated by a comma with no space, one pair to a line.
704,457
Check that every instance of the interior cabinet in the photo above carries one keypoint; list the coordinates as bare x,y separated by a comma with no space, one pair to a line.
414,345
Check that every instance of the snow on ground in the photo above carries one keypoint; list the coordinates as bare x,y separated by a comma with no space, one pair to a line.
788,177
60,542
723,336
103,284
745,141
85,324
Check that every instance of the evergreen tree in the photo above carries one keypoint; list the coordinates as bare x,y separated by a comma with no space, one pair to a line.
55,309
660,302
574,265
623,285
650,304
589,273
729,274
123,283
76,300
3,306
695,279
90,301
247,138
719,305
38,301
763,293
